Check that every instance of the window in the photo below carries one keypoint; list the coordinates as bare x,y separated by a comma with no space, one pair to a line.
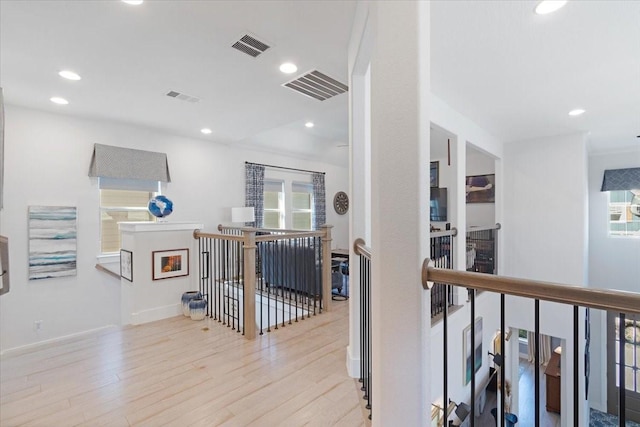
632,354
624,213
273,204
302,206
122,200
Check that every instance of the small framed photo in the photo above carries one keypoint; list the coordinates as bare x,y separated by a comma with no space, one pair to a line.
170,264
126,265
434,172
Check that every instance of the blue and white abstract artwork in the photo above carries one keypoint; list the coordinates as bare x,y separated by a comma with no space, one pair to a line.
52,241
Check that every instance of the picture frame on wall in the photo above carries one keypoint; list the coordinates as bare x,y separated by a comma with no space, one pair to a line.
466,350
126,264
434,174
481,188
170,263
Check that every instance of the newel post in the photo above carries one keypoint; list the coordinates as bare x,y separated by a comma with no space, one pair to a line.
249,291
326,266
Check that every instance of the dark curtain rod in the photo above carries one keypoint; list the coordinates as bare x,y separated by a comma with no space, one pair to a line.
282,167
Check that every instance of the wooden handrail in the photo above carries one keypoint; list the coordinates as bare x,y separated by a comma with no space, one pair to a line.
197,234
268,230
601,299
106,270
360,248
498,226
453,233
288,236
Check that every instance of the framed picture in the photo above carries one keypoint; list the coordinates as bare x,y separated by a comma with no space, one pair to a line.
52,241
434,174
481,188
126,264
170,264
466,349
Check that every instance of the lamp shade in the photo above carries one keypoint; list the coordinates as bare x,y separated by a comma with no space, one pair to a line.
242,214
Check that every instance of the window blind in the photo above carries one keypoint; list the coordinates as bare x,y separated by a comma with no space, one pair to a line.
125,163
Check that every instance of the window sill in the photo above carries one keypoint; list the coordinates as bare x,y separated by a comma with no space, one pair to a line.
108,259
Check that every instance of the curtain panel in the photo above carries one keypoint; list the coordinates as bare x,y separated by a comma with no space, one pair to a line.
319,201
545,347
254,192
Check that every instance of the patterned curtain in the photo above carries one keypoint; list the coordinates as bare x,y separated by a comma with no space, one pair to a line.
319,203
254,191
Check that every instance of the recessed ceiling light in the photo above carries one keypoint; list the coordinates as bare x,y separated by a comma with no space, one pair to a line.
58,100
288,68
69,75
206,131
576,112
549,6
133,2
309,124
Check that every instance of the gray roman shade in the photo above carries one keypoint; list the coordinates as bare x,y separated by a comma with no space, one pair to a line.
125,163
621,179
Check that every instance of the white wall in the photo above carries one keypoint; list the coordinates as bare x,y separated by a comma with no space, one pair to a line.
47,161
545,231
614,262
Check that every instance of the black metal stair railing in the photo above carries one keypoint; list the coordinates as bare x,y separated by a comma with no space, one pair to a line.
258,280
442,254
576,296
364,253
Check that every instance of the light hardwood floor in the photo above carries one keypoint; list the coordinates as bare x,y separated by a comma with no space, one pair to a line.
179,372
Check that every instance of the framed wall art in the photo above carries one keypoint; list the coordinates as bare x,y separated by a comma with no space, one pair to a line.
481,188
52,241
170,264
466,349
126,264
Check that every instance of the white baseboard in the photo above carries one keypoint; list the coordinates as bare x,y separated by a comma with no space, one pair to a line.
157,313
30,347
353,364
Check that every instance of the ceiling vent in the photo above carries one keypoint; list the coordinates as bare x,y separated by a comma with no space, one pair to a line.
250,45
317,85
182,96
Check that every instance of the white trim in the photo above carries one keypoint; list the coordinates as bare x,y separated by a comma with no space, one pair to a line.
157,313
16,351
353,364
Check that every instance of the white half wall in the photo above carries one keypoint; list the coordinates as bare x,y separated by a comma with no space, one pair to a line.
46,163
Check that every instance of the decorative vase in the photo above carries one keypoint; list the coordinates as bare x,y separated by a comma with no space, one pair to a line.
186,297
198,308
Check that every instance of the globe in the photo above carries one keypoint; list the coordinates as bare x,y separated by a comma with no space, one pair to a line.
160,206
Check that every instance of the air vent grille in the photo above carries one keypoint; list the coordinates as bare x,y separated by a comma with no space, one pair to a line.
250,45
317,85
182,96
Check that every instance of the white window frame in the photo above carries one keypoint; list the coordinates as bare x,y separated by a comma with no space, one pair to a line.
272,185
308,189
153,187
623,207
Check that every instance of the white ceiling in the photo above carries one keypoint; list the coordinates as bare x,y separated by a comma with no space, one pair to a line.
129,57
514,73
518,74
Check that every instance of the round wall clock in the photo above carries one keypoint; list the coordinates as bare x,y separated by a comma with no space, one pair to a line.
341,202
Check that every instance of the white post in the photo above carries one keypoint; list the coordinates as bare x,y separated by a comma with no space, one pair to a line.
400,99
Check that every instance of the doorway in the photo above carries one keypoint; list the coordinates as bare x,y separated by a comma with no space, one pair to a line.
631,327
